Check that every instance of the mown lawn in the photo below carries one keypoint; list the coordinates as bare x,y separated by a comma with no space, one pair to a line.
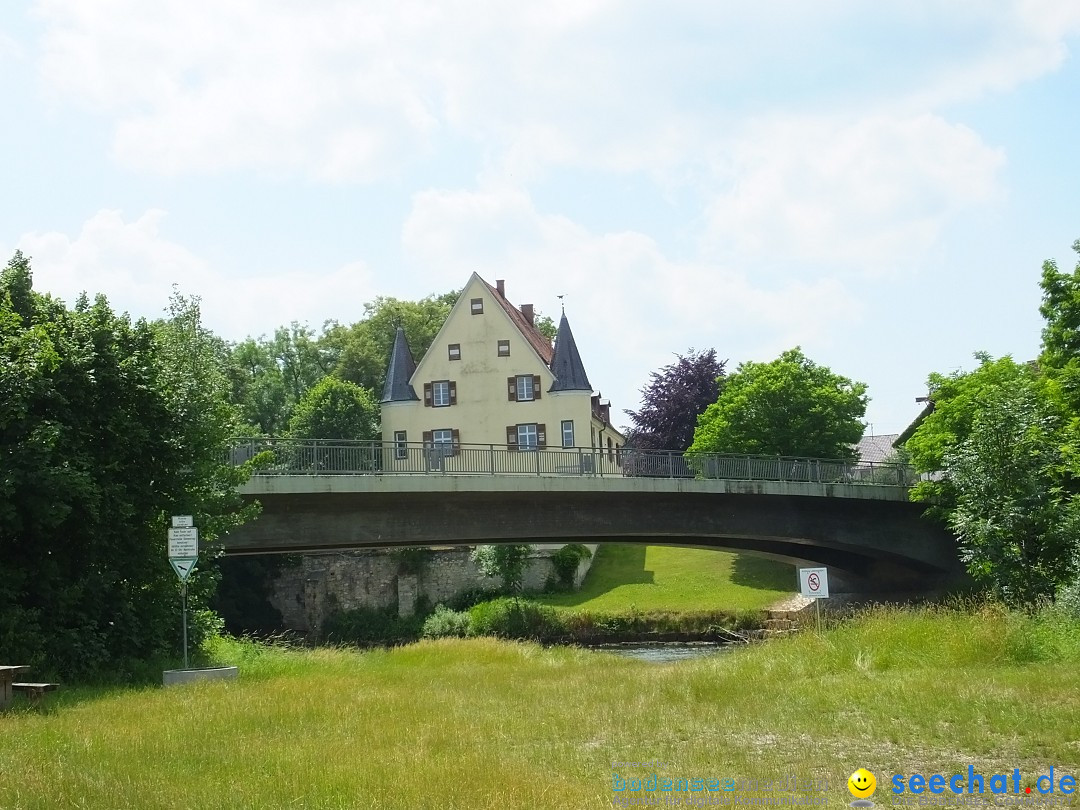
489,724
668,578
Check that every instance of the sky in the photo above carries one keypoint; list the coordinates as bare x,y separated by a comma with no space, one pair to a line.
878,183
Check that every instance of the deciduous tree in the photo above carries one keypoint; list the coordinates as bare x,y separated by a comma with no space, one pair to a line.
1016,527
789,406
673,399
359,353
336,409
106,428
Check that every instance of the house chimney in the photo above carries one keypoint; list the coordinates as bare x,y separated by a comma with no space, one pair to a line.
527,311
500,285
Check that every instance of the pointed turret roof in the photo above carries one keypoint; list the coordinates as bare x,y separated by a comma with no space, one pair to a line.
566,362
402,366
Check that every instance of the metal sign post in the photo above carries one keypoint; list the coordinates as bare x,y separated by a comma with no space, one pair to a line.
814,584
183,603
183,554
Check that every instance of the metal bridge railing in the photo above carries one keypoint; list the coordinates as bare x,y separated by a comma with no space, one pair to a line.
347,457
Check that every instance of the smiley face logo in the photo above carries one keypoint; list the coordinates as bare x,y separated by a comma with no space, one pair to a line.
862,784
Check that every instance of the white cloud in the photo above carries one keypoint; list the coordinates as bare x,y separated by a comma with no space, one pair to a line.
134,265
870,194
10,48
343,90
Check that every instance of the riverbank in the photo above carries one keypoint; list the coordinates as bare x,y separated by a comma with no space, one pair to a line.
483,723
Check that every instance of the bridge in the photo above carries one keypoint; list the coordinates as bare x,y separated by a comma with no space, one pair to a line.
852,517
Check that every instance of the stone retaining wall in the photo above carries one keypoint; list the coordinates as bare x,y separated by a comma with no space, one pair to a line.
306,594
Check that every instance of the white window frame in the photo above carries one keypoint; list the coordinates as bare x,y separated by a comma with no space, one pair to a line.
442,440
567,432
401,444
443,387
528,437
525,381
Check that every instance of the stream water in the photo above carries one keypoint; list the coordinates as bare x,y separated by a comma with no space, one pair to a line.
664,652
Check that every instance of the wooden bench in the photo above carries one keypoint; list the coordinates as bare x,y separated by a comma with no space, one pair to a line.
34,691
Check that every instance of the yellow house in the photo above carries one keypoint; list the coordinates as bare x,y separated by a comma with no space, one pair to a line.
492,382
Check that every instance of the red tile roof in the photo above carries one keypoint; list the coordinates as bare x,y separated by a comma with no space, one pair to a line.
540,343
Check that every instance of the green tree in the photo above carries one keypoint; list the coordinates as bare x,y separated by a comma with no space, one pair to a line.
1016,527
790,406
360,353
258,387
545,326
336,409
106,427
957,399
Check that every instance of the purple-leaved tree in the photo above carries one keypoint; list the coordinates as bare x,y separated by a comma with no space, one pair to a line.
672,400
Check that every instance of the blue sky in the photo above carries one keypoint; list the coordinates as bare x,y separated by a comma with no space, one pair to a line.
879,183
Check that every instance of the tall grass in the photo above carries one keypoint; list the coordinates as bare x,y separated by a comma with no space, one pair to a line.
483,723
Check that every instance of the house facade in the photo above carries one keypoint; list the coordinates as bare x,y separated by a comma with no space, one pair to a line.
491,378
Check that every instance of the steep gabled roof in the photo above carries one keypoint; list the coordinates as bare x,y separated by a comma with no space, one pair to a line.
540,344
566,362
397,387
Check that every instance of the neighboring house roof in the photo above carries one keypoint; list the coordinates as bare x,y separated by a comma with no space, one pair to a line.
540,344
876,448
566,362
402,366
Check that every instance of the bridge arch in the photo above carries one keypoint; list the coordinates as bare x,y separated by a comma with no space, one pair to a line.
870,534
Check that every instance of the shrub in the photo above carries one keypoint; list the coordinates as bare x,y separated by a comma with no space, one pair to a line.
504,560
515,618
473,596
367,626
566,561
1068,599
446,622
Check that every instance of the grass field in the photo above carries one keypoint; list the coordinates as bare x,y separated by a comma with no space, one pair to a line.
667,578
488,724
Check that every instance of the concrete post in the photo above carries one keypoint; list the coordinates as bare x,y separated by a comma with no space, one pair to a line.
407,590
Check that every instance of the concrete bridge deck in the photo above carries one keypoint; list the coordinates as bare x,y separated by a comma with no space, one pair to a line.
870,533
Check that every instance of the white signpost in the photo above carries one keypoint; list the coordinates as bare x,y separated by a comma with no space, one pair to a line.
814,584
184,543
183,568
183,554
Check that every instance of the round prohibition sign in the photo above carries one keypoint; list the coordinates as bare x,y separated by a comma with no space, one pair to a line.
814,581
